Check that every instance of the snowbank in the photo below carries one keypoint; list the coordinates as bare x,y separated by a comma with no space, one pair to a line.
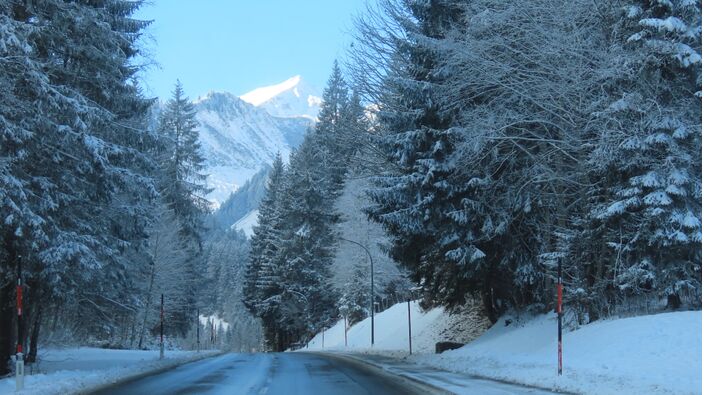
390,331
653,354
65,371
649,354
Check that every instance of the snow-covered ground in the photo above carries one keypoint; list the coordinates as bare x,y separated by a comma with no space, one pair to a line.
65,371
390,331
658,353
640,355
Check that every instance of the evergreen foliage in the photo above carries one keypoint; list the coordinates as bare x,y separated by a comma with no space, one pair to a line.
517,135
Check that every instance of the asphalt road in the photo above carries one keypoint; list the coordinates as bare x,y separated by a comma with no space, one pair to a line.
270,374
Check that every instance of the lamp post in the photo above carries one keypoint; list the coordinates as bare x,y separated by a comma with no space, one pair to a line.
371,297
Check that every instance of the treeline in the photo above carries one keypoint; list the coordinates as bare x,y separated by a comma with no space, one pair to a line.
503,138
101,204
288,282
520,134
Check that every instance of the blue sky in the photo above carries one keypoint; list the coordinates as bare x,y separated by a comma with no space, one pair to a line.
239,45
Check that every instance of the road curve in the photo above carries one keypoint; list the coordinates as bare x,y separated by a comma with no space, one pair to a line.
269,374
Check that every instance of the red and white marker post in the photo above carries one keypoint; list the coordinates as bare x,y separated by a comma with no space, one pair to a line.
559,317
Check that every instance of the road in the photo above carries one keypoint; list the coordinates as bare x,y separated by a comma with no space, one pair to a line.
268,374
281,374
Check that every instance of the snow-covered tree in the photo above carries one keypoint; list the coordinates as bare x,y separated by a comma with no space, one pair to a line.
650,155
183,183
262,278
72,154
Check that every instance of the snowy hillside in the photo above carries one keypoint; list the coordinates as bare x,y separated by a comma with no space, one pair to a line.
291,98
654,354
238,139
247,223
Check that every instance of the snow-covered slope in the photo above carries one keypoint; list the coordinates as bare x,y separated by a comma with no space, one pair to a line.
247,223
238,138
291,98
652,354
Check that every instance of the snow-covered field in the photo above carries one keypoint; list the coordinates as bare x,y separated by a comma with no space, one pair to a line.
65,371
653,354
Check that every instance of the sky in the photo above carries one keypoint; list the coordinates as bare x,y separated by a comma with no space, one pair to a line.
239,45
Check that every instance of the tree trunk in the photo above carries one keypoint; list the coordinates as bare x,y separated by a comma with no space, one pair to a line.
148,306
6,320
34,335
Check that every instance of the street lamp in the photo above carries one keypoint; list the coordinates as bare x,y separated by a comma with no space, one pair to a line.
371,297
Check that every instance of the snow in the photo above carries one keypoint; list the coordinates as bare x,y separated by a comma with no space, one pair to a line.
292,98
259,96
648,354
390,331
654,354
239,135
247,223
62,371
215,320
237,139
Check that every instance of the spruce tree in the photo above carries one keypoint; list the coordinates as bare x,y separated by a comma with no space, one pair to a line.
72,156
651,156
183,181
261,280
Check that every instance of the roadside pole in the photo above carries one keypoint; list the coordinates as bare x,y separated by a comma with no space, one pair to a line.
559,317
372,294
345,330
19,367
371,278
323,347
410,345
198,330
161,330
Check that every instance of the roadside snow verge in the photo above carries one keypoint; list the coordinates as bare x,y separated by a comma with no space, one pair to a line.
653,354
82,370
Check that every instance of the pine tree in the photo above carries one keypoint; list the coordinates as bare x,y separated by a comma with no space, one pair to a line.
183,184
261,280
652,155
306,244
414,195
332,127
72,155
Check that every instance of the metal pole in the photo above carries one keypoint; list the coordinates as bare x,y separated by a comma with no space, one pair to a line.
371,297
371,263
345,330
410,345
161,329
197,329
559,317
323,338
19,367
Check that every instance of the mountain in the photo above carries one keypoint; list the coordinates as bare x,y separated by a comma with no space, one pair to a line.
291,98
242,202
238,138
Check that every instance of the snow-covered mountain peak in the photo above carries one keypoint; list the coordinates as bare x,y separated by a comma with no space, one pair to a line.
260,96
291,98
238,138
